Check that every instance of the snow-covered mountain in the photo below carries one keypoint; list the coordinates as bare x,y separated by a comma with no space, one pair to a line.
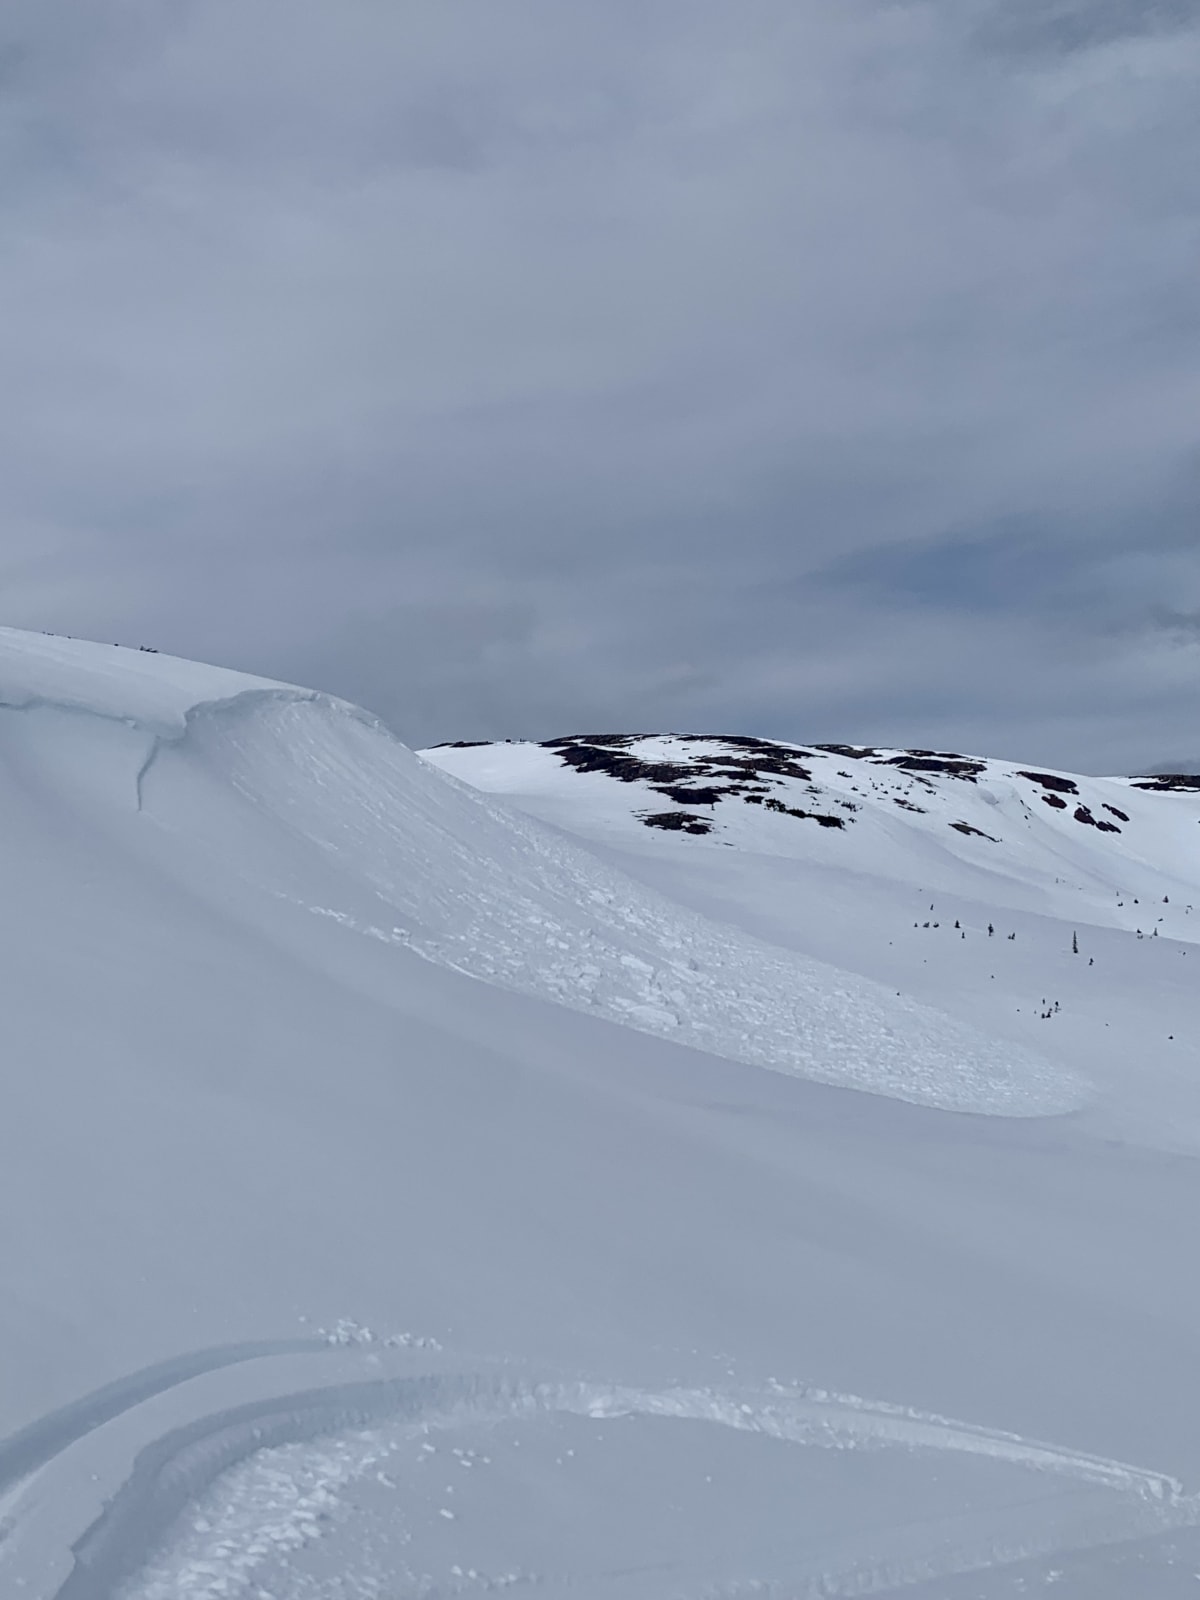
1016,898
882,811
409,1189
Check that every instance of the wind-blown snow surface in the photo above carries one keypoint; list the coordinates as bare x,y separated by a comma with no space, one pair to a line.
305,1038
1057,911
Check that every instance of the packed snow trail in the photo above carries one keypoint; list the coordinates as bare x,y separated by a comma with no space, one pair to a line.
174,1469
32,1446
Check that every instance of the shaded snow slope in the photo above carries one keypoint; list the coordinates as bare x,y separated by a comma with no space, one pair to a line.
340,819
361,1237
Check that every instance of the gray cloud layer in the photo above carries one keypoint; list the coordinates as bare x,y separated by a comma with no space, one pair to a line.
808,368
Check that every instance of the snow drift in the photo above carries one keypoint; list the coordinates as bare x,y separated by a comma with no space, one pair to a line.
337,818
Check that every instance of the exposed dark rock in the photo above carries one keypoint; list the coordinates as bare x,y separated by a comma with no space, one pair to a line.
1188,782
585,756
1117,812
677,821
734,757
823,817
592,738
684,796
948,766
1050,780
748,759
744,741
965,827
1083,814
461,744
908,805
1056,801
778,766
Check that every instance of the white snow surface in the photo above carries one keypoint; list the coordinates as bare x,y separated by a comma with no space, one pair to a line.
427,1182
319,805
1057,910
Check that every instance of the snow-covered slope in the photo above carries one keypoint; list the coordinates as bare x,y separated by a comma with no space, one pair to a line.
305,1038
1057,910
1115,852
341,821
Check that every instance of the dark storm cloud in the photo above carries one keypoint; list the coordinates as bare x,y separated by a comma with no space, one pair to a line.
1062,26
812,368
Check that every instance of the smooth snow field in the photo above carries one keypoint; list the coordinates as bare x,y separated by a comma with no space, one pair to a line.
419,1177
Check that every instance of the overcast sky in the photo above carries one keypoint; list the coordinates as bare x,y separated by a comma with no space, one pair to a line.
823,369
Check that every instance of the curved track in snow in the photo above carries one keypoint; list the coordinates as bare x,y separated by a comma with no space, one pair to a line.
172,1468
31,1447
